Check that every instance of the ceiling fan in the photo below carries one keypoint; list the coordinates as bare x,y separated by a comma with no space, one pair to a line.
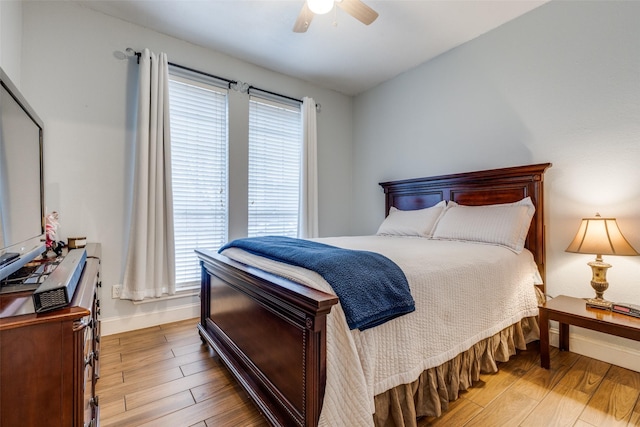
355,8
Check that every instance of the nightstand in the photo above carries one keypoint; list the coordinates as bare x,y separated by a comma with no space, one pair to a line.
574,311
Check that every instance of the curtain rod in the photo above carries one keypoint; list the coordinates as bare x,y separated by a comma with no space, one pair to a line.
273,93
229,81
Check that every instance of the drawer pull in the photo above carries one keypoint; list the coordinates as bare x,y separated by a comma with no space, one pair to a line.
84,323
88,360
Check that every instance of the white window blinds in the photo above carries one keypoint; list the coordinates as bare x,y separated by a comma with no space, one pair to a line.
275,144
199,165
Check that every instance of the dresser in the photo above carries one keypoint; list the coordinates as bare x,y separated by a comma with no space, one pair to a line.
49,362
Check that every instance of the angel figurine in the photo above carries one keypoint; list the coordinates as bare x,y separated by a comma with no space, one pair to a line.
51,232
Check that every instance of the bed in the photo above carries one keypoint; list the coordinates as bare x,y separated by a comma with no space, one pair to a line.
271,332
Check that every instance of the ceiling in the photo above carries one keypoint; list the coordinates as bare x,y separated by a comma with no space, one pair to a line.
337,51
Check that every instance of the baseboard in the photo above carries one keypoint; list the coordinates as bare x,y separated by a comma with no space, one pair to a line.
117,325
613,353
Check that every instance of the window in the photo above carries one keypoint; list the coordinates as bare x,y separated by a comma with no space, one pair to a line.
199,141
275,144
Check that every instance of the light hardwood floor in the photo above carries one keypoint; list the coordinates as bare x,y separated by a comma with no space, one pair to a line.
165,376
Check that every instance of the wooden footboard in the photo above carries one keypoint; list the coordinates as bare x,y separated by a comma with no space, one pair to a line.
271,334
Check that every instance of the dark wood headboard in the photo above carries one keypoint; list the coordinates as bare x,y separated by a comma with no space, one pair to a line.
485,187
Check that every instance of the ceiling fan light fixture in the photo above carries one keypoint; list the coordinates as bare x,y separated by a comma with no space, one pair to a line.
320,7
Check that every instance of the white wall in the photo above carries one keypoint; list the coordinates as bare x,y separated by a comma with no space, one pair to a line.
11,39
84,96
560,84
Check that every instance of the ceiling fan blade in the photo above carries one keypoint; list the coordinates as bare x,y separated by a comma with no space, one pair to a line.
358,10
304,19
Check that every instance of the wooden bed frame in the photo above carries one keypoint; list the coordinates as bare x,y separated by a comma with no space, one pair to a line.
271,332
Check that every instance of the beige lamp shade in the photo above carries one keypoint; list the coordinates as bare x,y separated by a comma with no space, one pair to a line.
600,236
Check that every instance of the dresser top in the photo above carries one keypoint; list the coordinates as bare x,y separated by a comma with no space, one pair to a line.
16,309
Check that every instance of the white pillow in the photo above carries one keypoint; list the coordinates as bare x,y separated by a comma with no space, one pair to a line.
504,224
418,222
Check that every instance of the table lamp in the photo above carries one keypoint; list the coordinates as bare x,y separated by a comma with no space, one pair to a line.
600,236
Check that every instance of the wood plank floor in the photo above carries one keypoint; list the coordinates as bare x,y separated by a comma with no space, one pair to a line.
165,376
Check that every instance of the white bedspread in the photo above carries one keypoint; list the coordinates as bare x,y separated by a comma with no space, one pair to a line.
464,293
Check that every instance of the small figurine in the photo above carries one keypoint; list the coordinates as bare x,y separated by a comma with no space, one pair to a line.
51,233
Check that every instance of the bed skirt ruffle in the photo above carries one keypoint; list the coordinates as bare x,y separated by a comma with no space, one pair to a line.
431,393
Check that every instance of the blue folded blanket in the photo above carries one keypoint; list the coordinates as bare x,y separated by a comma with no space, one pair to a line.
372,289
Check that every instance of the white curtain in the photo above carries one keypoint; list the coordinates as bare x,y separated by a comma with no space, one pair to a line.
150,266
308,218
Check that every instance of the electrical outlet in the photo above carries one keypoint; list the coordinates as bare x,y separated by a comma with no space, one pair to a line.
116,290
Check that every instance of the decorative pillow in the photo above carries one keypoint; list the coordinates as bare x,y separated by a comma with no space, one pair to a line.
504,224
418,222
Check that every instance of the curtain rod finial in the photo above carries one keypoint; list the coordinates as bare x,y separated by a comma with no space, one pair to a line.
239,86
131,53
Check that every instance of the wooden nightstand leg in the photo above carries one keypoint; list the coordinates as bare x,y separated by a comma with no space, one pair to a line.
544,339
563,342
